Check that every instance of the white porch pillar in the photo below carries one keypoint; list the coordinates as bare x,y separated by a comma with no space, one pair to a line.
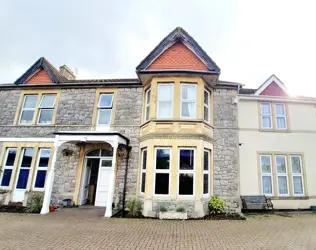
108,210
50,179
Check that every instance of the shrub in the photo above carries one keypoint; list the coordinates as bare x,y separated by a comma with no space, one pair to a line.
134,207
180,210
35,204
163,209
216,205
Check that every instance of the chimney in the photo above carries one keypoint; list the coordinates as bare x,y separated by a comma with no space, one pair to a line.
67,72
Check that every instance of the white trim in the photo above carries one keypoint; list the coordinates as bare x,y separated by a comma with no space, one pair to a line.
110,107
27,109
271,79
186,172
297,174
162,171
262,115
29,139
143,170
208,151
51,108
207,105
267,174
147,104
188,100
280,116
37,168
172,99
277,99
282,174
4,167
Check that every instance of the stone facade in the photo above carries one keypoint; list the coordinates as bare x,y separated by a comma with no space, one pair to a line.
225,153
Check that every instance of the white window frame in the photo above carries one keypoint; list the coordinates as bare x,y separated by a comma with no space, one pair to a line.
186,172
207,105
162,171
105,108
46,108
20,167
41,168
158,101
280,116
8,167
266,115
188,101
147,104
27,109
143,171
297,174
267,174
207,172
282,174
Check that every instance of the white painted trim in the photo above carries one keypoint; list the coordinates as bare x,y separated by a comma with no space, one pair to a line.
162,171
188,101
27,109
38,168
4,167
147,104
262,115
299,175
267,174
172,99
28,139
276,99
271,79
208,151
143,171
207,105
282,175
280,116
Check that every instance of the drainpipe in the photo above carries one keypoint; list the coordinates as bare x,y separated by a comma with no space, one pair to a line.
128,148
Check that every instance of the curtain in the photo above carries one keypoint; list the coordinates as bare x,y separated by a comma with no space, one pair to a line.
266,122
266,184
298,185
265,108
282,184
279,109
281,122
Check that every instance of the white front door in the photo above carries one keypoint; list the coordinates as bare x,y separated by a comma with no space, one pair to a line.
85,183
104,177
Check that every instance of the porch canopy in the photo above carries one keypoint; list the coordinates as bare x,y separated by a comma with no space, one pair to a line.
112,138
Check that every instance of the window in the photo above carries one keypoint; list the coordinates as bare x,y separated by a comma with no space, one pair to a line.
297,175
143,171
188,100
280,116
28,109
165,101
8,167
266,116
41,168
162,171
207,96
186,171
24,170
147,104
281,175
105,109
206,173
266,174
46,109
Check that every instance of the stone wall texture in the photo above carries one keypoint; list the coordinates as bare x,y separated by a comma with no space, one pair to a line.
225,155
8,105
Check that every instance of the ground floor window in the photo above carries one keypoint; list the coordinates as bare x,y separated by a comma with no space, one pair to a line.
206,172
143,171
162,171
8,164
186,171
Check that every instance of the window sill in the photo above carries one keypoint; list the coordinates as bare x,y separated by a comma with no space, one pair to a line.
275,130
171,120
289,198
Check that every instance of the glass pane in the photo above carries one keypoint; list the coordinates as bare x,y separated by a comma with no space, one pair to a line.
279,109
105,152
165,92
266,185
281,122
144,159
162,158
186,159
23,178
106,101
48,101
10,157
142,188
266,122
6,177
27,157
298,185
104,116
164,109
296,164
40,179
94,153
205,184
27,116
188,92
44,158
188,109
30,101
282,185
265,108
281,165
265,164
206,160
93,164
147,113
148,97
206,101
186,184
162,184
206,114
106,163
46,116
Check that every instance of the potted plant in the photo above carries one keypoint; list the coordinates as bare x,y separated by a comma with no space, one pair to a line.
51,207
179,214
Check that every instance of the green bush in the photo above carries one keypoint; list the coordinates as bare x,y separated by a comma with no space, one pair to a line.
35,203
180,210
134,207
163,209
216,205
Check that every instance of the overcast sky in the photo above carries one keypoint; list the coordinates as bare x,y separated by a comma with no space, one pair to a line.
107,39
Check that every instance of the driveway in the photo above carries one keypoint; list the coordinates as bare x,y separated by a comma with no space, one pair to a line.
77,229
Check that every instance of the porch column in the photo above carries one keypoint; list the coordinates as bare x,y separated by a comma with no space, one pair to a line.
50,179
108,210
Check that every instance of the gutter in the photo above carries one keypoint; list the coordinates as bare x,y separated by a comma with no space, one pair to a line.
128,148
276,99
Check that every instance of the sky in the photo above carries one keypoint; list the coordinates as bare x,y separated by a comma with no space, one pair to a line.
249,40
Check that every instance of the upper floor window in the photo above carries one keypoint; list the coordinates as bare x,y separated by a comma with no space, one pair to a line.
105,109
280,116
188,100
207,98
266,116
46,109
165,101
270,119
147,104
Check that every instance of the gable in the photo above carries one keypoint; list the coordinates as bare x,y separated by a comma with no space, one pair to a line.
178,56
273,89
39,78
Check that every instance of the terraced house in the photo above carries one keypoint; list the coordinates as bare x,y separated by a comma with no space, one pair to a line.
175,135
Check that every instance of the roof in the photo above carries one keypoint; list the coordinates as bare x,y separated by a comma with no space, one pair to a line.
118,80
178,35
42,63
272,78
246,91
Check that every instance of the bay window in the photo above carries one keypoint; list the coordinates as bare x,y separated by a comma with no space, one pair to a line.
206,172
188,100
147,104
162,171
186,171
143,171
165,100
206,111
